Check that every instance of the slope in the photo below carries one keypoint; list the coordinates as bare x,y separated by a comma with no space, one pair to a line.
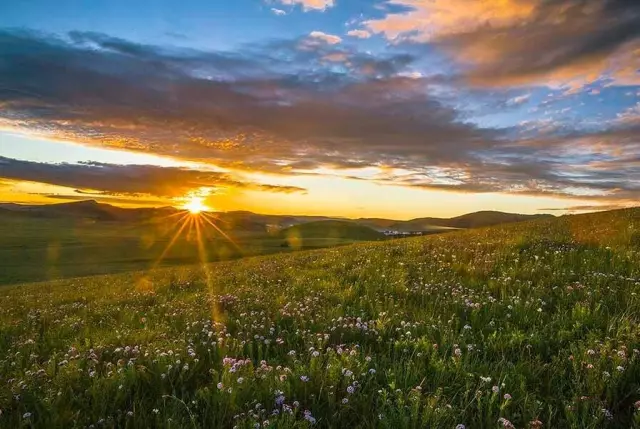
331,229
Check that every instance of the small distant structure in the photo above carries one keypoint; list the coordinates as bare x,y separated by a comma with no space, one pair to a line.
402,234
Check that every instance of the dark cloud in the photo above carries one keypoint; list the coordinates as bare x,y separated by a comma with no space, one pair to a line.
108,200
128,180
564,41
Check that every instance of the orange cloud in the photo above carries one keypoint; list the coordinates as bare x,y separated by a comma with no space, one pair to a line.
525,42
428,19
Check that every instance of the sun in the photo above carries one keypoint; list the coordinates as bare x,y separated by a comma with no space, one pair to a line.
195,205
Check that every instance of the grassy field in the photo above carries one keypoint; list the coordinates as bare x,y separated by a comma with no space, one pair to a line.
523,326
45,249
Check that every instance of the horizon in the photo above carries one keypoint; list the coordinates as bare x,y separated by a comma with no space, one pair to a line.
185,209
393,109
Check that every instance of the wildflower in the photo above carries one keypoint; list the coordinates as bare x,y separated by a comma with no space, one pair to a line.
505,423
461,426
26,416
220,386
345,401
308,417
304,378
156,411
240,380
535,424
457,352
351,390
637,405
507,397
495,389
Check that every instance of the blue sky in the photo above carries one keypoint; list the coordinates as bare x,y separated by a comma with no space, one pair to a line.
439,98
204,24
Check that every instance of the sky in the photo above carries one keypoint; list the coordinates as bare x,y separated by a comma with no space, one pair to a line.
356,108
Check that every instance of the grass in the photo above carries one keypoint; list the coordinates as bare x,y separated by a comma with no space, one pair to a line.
45,249
330,229
517,326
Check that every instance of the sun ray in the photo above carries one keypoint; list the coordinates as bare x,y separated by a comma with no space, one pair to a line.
185,221
217,228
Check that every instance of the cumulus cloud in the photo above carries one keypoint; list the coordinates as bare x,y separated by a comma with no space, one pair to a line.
134,180
360,34
326,38
521,42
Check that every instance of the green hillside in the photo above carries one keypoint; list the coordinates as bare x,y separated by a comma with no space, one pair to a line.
331,229
527,325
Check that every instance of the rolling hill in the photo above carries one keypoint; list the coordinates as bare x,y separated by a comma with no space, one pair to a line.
331,229
88,210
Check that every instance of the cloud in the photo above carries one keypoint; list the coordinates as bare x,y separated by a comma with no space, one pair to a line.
108,200
326,38
588,208
310,5
525,42
278,12
630,116
278,109
360,34
131,180
520,99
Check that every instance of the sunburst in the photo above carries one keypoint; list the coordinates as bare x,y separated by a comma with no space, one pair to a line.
195,205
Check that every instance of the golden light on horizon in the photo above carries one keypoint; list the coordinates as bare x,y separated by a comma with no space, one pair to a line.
195,205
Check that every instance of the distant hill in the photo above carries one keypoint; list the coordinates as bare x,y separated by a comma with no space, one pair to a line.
331,229
89,210
471,220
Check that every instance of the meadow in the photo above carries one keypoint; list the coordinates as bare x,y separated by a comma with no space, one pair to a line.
528,325
33,249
